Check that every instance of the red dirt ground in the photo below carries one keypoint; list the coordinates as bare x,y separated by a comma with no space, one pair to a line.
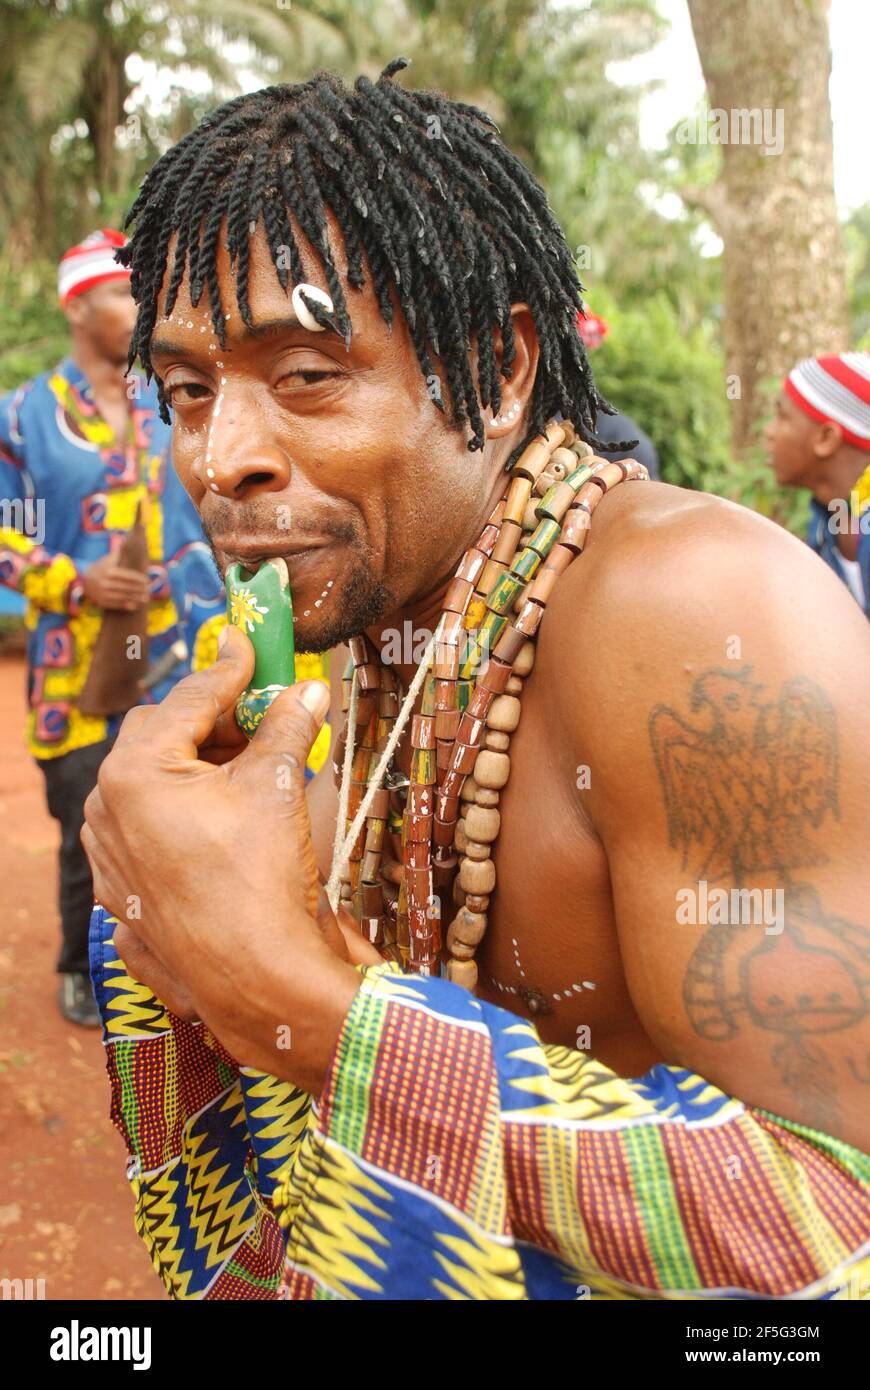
66,1212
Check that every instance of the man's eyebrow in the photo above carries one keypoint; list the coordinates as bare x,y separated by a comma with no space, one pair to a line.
269,328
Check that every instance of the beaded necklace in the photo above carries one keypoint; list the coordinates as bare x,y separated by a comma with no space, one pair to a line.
480,653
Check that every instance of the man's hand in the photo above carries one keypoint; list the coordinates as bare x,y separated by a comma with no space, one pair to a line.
108,585
213,869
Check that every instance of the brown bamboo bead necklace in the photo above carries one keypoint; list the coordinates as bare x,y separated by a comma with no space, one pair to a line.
482,650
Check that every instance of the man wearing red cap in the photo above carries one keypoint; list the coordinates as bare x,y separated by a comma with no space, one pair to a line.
819,439
82,451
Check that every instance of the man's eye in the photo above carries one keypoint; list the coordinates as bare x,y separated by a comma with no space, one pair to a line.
186,392
309,378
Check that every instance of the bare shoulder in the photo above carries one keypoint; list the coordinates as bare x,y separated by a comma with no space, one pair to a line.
673,561
643,525
673,583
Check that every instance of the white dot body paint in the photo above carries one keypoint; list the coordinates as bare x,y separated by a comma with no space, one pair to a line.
209,472
301,310
214,487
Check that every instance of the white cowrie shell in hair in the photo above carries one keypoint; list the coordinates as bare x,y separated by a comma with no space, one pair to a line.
303,313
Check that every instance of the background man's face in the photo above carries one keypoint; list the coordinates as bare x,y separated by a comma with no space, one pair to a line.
285,440
107,316
789,437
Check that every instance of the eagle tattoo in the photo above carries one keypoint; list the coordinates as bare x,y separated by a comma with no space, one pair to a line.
748,777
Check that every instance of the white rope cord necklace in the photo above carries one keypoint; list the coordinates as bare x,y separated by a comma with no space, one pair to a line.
341,850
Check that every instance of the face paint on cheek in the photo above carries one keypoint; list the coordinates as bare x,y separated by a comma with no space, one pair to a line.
209,471
318,603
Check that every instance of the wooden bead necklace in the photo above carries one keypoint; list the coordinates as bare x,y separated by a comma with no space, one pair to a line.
481,652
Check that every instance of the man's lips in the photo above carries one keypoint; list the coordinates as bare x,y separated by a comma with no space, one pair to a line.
252,555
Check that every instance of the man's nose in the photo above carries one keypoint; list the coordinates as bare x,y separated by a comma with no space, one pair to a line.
239,461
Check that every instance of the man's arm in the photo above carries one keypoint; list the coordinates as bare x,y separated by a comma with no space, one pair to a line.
452,1154
49,579
724,718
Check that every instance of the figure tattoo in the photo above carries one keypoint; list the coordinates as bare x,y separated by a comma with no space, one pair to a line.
745,785
747,779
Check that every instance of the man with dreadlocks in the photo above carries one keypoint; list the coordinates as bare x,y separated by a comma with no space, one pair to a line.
343,293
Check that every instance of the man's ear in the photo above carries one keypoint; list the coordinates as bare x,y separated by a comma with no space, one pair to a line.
76,311
516,387
828,439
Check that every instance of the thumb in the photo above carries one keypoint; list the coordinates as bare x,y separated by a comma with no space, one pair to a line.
273,766
286,734
292,722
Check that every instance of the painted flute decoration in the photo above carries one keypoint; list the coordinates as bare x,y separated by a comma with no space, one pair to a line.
260,603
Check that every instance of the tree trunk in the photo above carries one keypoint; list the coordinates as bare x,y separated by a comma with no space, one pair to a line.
784,262
104,93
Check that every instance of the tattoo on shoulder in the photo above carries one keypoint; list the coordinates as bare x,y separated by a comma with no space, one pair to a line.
747,775
747,779
801,986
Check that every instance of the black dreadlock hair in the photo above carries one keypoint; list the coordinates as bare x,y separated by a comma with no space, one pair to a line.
422,185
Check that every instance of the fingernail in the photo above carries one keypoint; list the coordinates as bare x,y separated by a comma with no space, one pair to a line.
315,697
223,638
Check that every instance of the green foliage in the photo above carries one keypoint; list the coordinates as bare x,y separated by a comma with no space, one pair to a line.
673,383
856,234
78,133
33,330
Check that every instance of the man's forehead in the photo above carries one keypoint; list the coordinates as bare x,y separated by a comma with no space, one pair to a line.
268,300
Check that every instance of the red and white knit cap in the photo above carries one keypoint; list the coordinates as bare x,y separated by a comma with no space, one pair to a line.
835,389
90,263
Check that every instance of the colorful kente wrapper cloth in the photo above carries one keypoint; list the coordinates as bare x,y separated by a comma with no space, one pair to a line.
68,495
452,1155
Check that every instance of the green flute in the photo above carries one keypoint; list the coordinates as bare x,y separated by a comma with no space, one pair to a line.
260,603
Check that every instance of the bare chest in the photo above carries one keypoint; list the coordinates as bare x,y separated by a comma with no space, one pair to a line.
551,952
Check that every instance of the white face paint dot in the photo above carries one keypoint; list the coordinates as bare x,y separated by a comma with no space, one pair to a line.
318,602
190,323
306,613
214,487
209,472
223,381
330,583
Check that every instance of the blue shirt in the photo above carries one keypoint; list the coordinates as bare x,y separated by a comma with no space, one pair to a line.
68,493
